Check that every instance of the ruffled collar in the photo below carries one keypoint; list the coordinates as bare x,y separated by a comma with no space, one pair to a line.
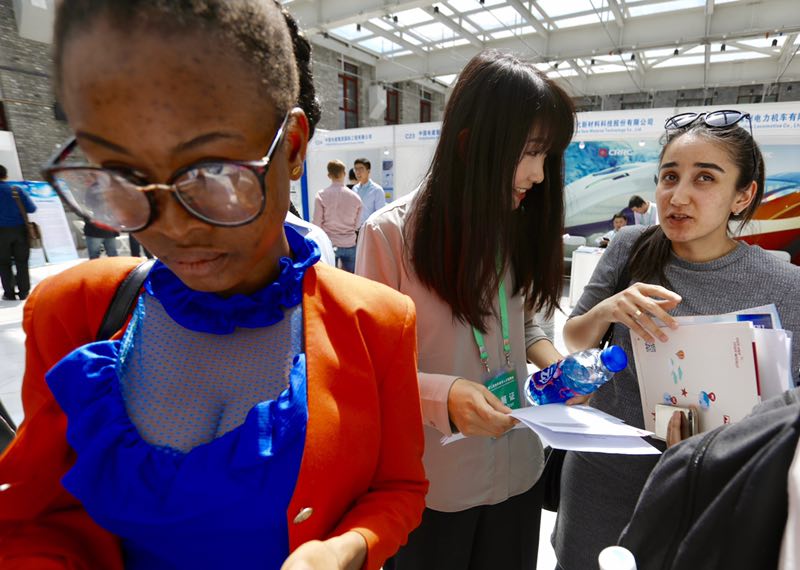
211,313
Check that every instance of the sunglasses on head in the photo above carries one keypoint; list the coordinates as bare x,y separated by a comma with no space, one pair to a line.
724,119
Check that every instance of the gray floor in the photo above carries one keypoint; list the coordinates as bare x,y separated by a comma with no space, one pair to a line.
12,355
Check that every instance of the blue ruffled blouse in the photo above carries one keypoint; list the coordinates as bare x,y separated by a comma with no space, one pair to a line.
223,503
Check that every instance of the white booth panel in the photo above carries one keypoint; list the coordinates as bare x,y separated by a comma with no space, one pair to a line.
8,155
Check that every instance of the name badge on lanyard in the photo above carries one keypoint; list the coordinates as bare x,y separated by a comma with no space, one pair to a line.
502,382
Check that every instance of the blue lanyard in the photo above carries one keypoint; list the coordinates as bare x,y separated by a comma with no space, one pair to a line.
484,354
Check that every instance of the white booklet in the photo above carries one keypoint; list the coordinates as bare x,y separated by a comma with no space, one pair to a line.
711,366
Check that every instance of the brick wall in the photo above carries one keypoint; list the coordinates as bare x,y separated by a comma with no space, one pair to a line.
27,95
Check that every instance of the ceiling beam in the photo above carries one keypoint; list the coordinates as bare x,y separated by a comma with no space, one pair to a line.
574,65
788,50
645,32
315,16
527,16
612,4
394,38
772,52
463,32
722,74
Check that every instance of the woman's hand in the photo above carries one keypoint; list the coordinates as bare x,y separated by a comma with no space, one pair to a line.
636,306
677,429
474,410
345,552
578,400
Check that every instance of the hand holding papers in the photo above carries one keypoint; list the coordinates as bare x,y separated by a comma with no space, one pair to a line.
579,428
723,365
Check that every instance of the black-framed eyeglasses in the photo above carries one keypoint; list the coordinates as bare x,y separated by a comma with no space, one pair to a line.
723,119
219,192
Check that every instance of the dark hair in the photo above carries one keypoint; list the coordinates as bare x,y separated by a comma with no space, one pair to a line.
652,250
635,202
619,215
364,162
463,232
282,52
352,174
3,172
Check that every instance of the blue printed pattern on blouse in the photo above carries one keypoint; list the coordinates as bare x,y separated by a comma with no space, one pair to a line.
184,451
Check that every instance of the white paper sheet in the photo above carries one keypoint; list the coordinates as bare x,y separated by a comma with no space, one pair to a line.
596,443
578,428
774,360
575,420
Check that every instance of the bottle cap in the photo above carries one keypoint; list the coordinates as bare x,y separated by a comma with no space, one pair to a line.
614,358
616,558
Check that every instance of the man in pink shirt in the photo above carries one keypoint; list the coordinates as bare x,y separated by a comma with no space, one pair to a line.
337,210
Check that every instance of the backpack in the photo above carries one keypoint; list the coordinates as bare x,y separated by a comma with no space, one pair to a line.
719,499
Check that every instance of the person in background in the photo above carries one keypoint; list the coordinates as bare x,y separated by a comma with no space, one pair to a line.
373,198
14,246
478,248
644,213
315,234
98,237
710,173
619,222
136,248
259,409
351,179
312,232
337,210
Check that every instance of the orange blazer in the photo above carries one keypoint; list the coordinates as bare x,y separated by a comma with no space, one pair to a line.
362,462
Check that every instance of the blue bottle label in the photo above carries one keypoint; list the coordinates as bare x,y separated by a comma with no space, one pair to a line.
547,385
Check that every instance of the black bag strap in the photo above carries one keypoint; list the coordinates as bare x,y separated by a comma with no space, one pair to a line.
122,303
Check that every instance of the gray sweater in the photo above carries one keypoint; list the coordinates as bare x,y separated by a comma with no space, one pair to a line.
599,491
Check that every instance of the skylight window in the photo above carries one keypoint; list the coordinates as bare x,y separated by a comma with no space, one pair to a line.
413,17
670,6
555,8
498,18
763,42
446,79
470,5
381,23
435,32
736,56
380,45
351,32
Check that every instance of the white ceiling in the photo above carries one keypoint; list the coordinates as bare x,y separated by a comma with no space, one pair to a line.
593,47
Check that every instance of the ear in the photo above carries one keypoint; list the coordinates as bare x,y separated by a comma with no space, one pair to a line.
743,199
463,141
296,138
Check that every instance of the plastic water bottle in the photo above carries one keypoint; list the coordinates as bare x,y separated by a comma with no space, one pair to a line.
616,558
578,374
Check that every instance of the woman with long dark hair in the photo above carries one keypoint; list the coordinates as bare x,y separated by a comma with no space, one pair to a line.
211,431
478,249
710,176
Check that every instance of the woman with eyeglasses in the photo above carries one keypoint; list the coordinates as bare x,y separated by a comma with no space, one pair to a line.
710,179
259,410
478,248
